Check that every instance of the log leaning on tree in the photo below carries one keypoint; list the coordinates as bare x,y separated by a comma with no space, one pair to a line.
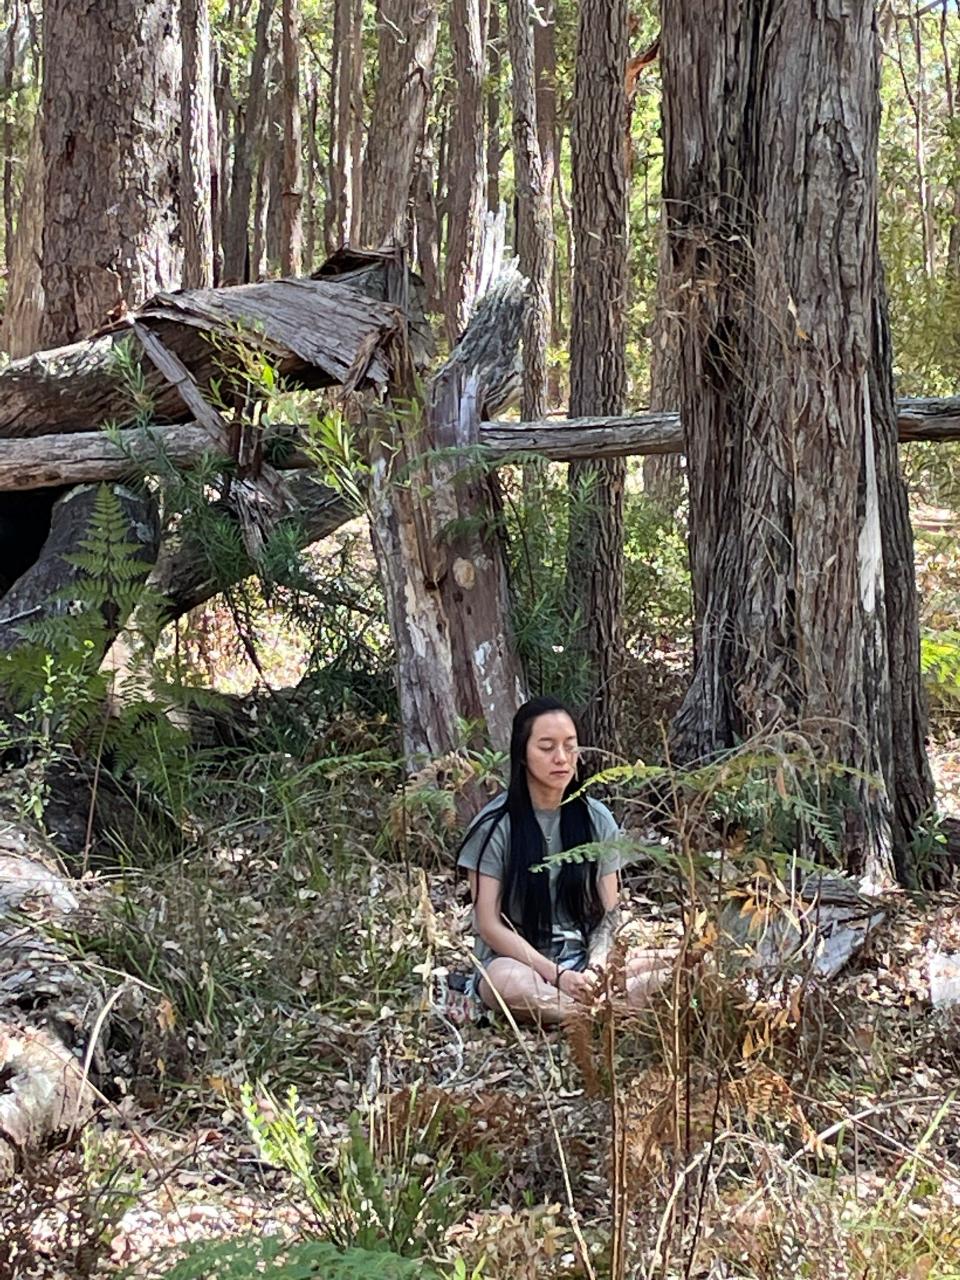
317,332
182,572
93,455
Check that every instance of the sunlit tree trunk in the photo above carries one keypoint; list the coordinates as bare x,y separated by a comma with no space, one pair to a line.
195,175
111,232
494,65
800,548
291,247
598,354
405,52
548,135
465,204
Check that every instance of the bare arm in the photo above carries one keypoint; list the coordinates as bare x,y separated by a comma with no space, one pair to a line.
601,939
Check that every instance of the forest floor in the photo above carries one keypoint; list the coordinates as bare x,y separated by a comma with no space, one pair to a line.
809,1130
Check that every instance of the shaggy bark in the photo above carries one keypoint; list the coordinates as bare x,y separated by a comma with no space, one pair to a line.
799,540
111,233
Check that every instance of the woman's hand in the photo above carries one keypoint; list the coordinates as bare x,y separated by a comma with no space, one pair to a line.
578,986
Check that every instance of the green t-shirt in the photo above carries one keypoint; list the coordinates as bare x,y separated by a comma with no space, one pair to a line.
567,938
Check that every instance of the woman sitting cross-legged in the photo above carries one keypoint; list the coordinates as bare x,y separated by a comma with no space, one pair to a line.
533,928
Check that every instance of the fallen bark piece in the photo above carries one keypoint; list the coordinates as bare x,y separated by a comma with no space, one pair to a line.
817,925
43,1092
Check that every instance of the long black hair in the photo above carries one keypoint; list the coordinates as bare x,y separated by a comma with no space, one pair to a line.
525,895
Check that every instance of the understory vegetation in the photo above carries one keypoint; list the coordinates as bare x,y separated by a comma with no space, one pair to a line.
288,1086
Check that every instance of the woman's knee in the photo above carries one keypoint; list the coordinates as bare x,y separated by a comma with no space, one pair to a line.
515,983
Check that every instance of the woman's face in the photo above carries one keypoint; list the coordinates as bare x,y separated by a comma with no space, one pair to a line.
552,751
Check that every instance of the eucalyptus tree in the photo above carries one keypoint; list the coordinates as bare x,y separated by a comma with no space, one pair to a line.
800,545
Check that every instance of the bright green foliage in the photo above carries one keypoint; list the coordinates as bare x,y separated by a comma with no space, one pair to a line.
275,1259
400,1200
54,678
940,667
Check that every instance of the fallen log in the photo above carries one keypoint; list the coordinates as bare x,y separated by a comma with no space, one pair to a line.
52,585
183,573
49,1011
317,332
79,457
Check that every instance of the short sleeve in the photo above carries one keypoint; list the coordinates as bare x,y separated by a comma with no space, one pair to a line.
484,849
605,827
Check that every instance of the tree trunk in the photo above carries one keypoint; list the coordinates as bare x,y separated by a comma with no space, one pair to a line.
249,130
468,21
663,473
494,65
195,174
226,130
111,234
799,542
534,221
598,354
11,21
291,192
428,224
406,47
342,216
312,178
23,313
549,136
437,543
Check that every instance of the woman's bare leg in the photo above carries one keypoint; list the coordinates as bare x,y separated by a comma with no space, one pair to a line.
524,992
645,972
